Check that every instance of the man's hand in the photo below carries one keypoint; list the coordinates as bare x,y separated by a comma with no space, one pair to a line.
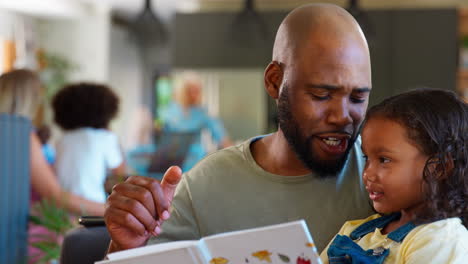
137,207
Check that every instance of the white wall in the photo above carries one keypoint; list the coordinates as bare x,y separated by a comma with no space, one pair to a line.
210,5
126,77
83,40
45,8
242,103
7,23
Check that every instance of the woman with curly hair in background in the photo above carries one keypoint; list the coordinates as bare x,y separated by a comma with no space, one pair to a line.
88,151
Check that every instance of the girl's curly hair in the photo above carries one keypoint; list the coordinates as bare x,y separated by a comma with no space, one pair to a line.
437,121
84,105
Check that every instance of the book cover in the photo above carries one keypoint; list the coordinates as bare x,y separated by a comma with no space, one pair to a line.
277,244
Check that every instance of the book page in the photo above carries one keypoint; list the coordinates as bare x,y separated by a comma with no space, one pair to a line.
172,252
278,244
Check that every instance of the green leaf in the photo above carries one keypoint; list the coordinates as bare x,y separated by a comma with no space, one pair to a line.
284,258
464,41
35,220
56,220
50,216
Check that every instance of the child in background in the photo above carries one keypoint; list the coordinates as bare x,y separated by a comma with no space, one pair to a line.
416,150
87,149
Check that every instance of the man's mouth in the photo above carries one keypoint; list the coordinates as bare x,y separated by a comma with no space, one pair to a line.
334,144
332,141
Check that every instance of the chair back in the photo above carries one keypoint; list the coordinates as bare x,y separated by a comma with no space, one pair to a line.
14,187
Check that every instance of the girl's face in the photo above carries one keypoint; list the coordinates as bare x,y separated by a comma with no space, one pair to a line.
394,167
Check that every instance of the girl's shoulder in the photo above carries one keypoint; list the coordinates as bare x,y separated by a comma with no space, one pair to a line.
443,241
442,229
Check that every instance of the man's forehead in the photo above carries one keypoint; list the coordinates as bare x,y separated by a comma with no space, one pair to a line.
355,75
332,87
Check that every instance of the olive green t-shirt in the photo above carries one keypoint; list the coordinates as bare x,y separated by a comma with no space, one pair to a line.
228,191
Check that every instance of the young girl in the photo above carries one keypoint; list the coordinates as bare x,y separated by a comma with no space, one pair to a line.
87,150
416,150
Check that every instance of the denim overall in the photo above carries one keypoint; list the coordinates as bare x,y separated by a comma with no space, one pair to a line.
344,250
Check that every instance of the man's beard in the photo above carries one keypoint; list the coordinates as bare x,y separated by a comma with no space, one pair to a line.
302,145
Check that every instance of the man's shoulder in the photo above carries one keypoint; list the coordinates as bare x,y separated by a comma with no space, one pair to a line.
223,166
223,157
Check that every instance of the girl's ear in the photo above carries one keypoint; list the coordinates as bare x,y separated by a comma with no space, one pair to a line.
441,168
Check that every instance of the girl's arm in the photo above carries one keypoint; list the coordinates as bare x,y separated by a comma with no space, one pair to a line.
44,182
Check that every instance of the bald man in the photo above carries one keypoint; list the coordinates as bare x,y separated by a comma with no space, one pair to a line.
320,77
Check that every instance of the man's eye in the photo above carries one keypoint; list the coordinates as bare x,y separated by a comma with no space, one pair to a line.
358,100
359,97
320,96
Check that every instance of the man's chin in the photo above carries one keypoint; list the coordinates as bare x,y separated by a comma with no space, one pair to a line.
326,168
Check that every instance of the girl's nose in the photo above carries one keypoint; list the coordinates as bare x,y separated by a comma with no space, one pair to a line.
367,176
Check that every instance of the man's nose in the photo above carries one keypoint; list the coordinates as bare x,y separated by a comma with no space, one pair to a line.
339,113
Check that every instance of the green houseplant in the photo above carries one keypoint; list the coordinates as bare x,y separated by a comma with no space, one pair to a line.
54,70
57,222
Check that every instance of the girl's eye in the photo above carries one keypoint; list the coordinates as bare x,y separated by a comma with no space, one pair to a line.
364,157
384,160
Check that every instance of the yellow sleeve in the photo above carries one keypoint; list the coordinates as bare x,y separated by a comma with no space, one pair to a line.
434,245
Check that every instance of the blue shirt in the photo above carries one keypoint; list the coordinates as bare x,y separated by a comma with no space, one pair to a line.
194,119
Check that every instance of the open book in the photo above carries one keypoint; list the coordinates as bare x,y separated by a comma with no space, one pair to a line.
277,244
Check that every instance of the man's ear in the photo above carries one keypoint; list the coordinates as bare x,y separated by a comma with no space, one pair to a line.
273,78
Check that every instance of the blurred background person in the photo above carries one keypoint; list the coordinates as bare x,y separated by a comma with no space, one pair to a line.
21,94
44,134
186,115
88,151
